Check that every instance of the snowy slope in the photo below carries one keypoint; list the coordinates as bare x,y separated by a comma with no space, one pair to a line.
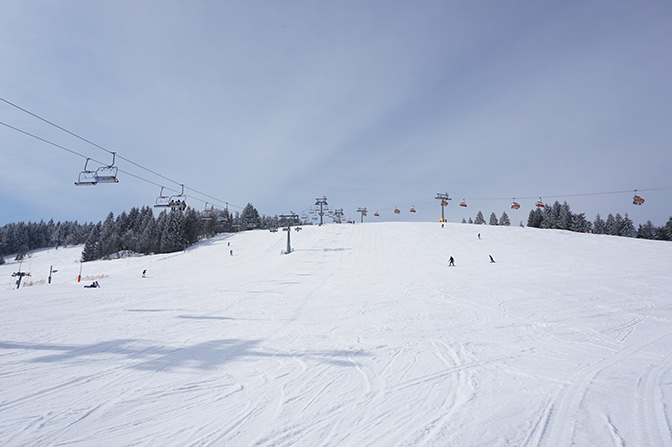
363,336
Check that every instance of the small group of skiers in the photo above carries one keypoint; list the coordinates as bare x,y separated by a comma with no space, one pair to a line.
451,261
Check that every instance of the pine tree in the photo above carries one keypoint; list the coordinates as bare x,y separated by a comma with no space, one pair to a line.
564,217
479,219
249,218
599,225
535,218
464,220
493,219
91,250
172,237
110,242
579,223
628,227
646,231
193,227
667,231
470,221
504,220
610,226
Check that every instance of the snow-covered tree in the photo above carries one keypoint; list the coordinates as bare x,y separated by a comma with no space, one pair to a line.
599,226
493,219
535,218
504,220
579,223
628,227
479,220
646,231
610,226
249,218
91,249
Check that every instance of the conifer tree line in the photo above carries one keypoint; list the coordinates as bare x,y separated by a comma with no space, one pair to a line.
21,238
137,231
560,217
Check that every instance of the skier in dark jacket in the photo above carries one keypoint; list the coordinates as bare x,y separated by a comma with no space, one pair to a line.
491,260
451,262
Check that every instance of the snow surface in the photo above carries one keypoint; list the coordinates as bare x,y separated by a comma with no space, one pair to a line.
363,336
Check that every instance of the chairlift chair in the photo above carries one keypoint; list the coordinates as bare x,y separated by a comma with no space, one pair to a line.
412,209
107,174
636,200
377,214
178,201
463,203
540,203
444,203
397,210
515,205
162,201
86,177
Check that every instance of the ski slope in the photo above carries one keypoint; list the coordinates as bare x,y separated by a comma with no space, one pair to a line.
363,336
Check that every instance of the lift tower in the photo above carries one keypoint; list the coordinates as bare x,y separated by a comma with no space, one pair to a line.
289,219
363,213
321,201
443,197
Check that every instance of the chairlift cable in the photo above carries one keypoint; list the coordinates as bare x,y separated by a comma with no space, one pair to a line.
105,164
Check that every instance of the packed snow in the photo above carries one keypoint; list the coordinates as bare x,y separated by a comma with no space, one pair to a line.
362,336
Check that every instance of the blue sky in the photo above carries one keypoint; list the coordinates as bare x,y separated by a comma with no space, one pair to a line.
373,104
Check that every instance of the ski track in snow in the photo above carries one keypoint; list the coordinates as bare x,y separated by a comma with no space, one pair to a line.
360,337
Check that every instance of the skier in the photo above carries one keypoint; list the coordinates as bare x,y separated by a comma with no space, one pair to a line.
231,252
451,262
144,273
491,260
479,235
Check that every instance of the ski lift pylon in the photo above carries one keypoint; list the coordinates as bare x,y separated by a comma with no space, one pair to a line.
637,200
108,174
86,177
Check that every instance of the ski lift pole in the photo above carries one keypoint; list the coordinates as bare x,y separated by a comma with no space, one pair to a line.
291,219
363,212
51,270
443,197
321,201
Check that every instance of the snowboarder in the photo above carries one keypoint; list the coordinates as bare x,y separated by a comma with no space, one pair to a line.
231,252
451,262
144,273
491,260
479,235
